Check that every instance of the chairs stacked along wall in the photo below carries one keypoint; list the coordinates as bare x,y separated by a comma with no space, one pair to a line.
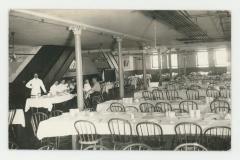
186,106
117,107
87,133
121,132
146,107
151,134
217,138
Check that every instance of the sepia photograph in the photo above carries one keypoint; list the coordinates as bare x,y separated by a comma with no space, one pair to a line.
119,80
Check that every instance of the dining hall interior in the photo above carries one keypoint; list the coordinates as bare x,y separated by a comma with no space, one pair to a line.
119,79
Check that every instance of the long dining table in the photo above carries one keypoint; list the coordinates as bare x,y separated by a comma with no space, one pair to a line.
47,101
203,106
63,125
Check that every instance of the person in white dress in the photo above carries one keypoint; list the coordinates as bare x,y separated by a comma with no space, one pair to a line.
36,85
63,87
54,88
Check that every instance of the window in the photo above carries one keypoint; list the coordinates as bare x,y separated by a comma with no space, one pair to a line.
220,57
154,61
72,65
202,59
174,61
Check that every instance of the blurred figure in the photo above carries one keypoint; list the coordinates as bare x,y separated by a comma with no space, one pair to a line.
36,85
96,88
54,88
86,89
63,87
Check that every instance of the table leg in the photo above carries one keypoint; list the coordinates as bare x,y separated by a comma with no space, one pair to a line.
74,142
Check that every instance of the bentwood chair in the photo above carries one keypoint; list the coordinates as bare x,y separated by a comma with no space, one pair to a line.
214,93
225,93
194,87
187,132
121,131
131,109
36,119
55,113
147,95
192,94
217,138
11,116
117,107
172,95
87,133
137,146
146,107
12,145
150,133
219,103
163,107
221,110
186,106
96,147
190,147
47,147
158,94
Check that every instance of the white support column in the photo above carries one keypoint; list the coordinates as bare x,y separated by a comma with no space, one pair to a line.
77,31
170,64
120,67
145,49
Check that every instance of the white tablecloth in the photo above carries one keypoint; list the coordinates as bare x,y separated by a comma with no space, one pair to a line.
47,101
19,117
64,125
103,107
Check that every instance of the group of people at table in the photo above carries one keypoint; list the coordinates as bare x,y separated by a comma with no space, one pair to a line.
36,85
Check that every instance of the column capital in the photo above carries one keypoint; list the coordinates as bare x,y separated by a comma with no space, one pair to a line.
76,29
118,38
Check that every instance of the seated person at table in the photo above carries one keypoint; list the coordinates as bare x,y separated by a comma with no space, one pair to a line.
96,88
54,88
86,88
63,87
36,85
70,86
